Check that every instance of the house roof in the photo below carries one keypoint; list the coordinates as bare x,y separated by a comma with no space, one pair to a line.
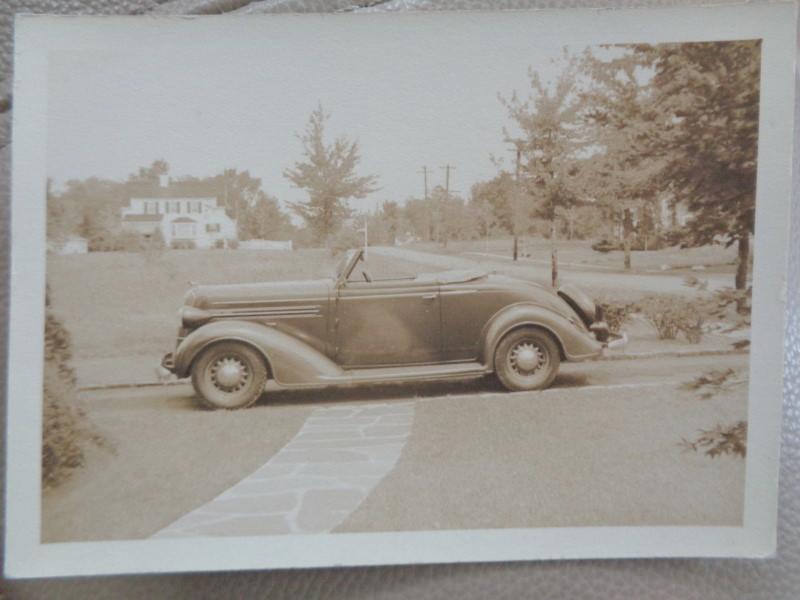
142,218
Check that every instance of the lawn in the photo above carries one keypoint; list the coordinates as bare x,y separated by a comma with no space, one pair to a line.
124,304
716,258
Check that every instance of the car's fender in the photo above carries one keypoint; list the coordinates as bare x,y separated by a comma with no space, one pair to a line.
290,360
574,341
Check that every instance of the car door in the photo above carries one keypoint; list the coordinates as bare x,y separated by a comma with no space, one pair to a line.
387,323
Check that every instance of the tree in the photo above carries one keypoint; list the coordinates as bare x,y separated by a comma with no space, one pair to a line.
151,174
551,143
707,98
688,126
622,175
417,214
327,173
264,220
497,193
390,215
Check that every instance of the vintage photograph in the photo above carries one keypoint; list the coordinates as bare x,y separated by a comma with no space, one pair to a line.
408,278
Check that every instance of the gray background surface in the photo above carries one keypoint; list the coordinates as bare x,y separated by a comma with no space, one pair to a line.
778,577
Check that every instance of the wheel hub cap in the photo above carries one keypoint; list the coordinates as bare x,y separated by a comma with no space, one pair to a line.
229,374
526,358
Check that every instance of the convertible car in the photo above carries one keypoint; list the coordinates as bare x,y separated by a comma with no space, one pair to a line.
352,329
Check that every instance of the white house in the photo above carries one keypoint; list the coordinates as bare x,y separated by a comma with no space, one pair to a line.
188,222
71,245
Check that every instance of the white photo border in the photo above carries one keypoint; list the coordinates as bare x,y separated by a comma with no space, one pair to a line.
26,556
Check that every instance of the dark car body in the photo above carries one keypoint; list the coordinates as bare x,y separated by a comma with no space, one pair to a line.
351,329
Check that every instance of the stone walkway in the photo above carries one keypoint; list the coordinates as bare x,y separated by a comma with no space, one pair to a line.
316,481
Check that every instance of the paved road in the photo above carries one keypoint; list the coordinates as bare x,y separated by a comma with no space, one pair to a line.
666,283
601,447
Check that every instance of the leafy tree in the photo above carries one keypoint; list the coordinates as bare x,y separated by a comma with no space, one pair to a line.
551,144
623,176
418,216
682,119
327,173
390,215
264,219
706,96
497,193
151,174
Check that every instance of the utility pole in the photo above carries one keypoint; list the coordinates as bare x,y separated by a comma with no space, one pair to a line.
424,172
366,234
447,168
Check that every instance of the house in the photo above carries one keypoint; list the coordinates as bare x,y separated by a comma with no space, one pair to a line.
182,222
71,245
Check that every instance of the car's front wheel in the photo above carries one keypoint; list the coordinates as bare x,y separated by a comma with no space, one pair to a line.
527,359
229,375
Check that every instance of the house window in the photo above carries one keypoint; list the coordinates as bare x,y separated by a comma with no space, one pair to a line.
150,208
212,228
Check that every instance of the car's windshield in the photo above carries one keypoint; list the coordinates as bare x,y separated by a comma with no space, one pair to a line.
343,263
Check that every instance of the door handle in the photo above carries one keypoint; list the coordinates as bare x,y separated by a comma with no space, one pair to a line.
429,296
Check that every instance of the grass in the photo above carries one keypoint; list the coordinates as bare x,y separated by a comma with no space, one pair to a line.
124,303
716,258
169,458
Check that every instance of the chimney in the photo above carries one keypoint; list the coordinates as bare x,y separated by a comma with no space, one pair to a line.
163,180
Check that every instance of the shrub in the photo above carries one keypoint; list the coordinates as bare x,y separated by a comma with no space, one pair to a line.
233,243
65,427
671,315
616,312
183,245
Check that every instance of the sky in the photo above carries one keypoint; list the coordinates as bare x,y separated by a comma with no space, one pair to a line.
411,97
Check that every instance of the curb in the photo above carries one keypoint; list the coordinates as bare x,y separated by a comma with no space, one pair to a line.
674,354
613,357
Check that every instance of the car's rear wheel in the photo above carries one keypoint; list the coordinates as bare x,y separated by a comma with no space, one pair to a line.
229,375
527,359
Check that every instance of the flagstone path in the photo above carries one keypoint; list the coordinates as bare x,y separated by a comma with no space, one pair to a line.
314,482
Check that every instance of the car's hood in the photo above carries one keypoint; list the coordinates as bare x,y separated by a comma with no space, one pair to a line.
238,295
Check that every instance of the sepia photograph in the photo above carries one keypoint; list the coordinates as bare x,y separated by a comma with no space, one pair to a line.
302,281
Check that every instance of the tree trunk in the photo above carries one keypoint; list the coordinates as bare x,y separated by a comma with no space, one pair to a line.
743,262
627,247
742,268
516,247
553,254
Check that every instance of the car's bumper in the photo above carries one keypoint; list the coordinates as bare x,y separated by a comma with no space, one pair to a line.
615,342
168,363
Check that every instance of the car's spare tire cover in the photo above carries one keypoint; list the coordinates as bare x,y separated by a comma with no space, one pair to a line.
579,301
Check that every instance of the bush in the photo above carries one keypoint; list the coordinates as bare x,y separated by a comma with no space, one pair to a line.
125,241
671,315
616,312
183,245
233,243
65,427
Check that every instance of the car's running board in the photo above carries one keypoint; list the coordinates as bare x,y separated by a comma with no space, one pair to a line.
412,373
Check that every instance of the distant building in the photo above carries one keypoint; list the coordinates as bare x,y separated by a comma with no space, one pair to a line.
673,214
187,222
71,245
